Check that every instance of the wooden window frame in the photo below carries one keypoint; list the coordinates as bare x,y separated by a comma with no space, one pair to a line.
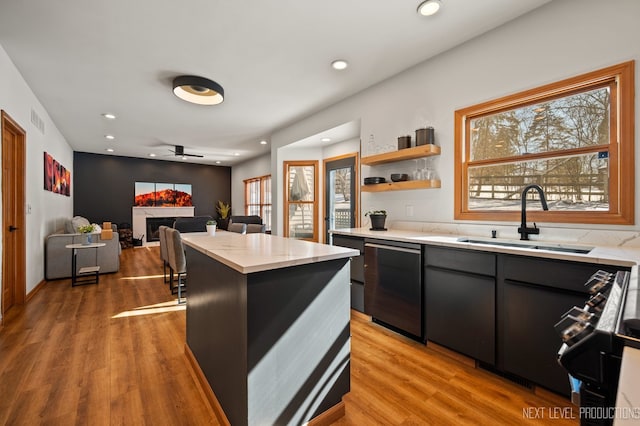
262,204
621,148
315,202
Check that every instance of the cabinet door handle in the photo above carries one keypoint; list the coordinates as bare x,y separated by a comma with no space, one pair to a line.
12,228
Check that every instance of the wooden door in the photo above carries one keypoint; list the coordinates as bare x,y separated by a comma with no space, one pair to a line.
301,200
13,214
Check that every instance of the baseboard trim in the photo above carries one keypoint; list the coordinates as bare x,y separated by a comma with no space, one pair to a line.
360,315
329,416
36,289
205,388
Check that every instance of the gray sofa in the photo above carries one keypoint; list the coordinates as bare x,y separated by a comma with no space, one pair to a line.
57,258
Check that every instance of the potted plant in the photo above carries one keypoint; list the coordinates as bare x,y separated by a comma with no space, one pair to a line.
378,218
211,226
224,210
86,231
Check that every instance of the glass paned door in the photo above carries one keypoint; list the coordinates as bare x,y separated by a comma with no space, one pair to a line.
340,195
301,202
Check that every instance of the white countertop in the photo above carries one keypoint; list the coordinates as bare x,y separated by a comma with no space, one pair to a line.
250,253
628,398
617,256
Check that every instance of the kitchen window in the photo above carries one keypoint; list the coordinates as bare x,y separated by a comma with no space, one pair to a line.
257,198
574,138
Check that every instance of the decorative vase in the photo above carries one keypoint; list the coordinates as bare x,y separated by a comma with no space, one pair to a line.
87,239
211,229
377,222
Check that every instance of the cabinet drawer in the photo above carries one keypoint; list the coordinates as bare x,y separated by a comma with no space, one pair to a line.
560,274
357,296
474,262
357,262
349,242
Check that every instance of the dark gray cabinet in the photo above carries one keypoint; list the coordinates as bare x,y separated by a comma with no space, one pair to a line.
533,294
357,268
500,309
460,301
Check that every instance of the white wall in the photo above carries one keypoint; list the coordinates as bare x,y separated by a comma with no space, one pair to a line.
45,210
259,166
562,39
341,148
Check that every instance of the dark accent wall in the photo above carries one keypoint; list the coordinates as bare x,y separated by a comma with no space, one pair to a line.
103,185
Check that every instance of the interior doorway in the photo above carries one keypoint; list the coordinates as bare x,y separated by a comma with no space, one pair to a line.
340,201
13,214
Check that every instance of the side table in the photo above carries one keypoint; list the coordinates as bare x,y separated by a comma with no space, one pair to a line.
87,274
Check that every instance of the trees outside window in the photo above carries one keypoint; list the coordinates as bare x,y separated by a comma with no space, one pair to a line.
574,138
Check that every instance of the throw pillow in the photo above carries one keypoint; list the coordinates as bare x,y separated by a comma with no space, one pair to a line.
68,227
79,221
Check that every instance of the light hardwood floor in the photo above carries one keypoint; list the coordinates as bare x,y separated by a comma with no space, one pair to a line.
113,354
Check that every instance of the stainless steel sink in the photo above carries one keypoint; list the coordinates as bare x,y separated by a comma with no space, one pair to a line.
529,245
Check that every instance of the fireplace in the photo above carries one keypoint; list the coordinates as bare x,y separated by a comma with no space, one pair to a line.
154,223
140,215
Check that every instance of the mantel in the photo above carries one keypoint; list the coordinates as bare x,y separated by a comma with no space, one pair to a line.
140,215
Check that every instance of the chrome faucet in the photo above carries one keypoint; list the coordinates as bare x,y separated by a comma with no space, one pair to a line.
523,230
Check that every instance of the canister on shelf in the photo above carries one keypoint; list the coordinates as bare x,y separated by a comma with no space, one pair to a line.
425,136
404,142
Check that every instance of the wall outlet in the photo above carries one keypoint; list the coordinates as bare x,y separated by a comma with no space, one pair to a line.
409,211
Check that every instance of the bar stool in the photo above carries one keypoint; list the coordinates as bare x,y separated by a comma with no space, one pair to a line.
164,254
177,260
240,228
254,228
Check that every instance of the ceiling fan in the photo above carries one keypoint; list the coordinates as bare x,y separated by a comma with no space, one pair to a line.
179,152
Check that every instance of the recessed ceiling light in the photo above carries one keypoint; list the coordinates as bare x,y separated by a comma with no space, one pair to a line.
326,139
198,90
152,155
109,149
110,137
109,116
429,7
218,162
263,142
339,64
184,157
236,153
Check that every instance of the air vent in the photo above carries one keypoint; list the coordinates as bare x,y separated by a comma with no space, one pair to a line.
37,121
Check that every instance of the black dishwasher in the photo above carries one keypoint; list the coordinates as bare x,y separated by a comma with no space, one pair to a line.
393,286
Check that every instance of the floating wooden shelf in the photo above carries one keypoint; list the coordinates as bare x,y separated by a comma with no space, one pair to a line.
400,186
400,155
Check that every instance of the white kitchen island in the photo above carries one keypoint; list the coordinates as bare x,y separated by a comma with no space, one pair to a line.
268,326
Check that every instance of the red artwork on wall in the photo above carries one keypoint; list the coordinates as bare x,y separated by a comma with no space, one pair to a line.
57,178
150,194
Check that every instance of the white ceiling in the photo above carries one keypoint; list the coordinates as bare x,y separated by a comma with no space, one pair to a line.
83,58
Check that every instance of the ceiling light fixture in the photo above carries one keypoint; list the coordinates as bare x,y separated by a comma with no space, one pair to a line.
325,140
152,155
236,153
429,7
109,116
263,142
110,137
339,64
109,150
218,162
198,90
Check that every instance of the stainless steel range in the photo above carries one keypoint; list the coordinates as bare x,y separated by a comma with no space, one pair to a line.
593,339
